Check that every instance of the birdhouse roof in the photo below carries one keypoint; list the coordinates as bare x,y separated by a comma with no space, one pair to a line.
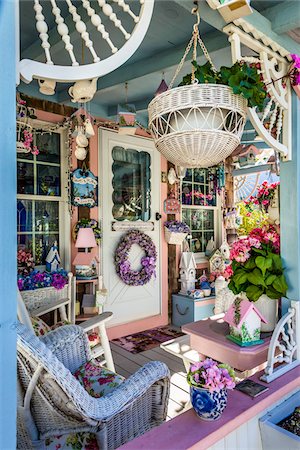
216,253
85,259
187,260
52,255
244,150
245,308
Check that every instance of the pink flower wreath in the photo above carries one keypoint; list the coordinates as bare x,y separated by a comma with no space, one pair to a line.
123,268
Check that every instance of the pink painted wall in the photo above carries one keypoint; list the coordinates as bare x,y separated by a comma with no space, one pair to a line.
150,322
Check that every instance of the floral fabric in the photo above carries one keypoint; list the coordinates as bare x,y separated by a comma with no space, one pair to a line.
73,441
96,380
39,326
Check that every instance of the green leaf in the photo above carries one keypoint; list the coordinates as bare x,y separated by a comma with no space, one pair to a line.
280,285
250,264
272,293
258,250
240,278
276,261
270,278
253,293
233,288
256,278
263,263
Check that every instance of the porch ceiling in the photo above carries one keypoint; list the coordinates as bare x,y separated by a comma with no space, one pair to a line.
161,50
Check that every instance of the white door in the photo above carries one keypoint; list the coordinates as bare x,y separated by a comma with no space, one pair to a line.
129,198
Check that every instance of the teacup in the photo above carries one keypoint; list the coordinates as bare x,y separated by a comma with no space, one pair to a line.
80,153
81,139
47,86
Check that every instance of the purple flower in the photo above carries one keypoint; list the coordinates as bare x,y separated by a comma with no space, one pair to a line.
296,59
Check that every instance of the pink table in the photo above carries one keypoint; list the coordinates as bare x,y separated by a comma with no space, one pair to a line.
187,431
208,337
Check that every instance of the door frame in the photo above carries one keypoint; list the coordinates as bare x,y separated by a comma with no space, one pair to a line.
162,318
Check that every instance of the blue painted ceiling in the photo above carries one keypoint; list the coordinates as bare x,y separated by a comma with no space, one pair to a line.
161,50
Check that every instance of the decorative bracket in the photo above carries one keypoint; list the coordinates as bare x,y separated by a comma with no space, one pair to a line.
284,347
273,124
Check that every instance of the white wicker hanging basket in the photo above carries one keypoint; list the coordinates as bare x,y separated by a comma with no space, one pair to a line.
197,125
173,237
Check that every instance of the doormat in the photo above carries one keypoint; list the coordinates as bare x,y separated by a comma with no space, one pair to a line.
146,340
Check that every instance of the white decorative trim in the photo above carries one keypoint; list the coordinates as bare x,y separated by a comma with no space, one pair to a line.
33,69
285,345
125,226
274,65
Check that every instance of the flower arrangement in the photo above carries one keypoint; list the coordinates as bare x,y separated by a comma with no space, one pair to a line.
251,217
25,262
210,375
175,226
257,266
37,280
87,223
27,140
265,195
148,262
244,79
227,274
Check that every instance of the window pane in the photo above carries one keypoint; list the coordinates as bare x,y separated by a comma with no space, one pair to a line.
131,184
46,216
201,222
49,147
25,242
43,243
187,193
48,180
24,215
200,175
25,178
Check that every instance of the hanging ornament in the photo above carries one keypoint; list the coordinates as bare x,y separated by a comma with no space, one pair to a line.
163,87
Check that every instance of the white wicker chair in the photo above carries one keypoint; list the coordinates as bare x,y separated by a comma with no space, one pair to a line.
52,401
41,301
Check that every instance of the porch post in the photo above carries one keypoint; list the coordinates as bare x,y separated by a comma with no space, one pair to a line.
290,210
7,226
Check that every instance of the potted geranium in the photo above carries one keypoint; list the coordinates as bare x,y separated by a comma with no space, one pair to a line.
209,382
265,194
258,272
176,232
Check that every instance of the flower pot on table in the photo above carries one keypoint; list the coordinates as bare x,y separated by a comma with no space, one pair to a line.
268,307
208,405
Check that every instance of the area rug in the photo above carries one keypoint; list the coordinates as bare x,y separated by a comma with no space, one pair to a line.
146,340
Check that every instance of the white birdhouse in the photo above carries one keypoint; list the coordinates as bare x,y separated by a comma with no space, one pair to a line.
187,272
53,258
225,251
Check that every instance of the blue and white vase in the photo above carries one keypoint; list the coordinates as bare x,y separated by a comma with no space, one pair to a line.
208,405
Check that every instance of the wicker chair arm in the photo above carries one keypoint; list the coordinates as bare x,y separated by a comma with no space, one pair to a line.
103,409
70,345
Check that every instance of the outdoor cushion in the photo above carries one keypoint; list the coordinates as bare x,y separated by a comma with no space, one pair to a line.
39,326
73,441
97,380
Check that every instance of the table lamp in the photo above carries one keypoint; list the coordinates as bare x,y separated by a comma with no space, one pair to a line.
85,263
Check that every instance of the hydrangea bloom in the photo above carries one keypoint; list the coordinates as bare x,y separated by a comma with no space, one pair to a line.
211,375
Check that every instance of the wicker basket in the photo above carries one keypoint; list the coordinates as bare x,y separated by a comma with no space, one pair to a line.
174,238
37,297
197,125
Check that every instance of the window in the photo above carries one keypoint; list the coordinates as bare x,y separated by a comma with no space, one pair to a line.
131,184
199,207
40,198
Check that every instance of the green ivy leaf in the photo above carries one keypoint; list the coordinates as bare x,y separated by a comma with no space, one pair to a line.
253,293
263,263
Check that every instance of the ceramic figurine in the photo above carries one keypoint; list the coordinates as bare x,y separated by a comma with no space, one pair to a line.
187,272
53,259
244,321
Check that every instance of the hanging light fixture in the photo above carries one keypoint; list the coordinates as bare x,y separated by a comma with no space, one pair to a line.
197,125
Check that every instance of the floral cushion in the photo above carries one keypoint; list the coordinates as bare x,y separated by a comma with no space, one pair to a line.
73,441
61,323
39,326
97,380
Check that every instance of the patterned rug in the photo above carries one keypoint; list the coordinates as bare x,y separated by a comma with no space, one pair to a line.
146,340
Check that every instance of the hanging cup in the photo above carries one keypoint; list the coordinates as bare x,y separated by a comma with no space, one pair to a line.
47,87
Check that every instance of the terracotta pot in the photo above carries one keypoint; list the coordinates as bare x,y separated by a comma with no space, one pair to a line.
269,309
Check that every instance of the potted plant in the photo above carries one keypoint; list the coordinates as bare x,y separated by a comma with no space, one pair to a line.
209,382
265,195
258,272
176,232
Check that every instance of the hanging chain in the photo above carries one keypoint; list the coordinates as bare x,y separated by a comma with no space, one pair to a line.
193,41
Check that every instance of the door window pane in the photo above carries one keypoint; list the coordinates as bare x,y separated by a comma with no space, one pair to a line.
131,184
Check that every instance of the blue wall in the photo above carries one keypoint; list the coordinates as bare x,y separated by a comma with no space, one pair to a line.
7,227
290,209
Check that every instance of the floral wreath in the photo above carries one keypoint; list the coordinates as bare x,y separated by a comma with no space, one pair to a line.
128,276
87,223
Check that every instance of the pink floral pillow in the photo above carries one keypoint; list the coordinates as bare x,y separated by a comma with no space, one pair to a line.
39,326
97,380
73,441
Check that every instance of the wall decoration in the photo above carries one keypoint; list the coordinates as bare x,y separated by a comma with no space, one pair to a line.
148,262
84,188
126,226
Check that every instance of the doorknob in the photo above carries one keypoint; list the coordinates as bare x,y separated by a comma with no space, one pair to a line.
157,216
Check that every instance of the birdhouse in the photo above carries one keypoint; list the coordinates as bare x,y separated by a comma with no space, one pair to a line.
234,9
225,251
216,262
53,259
126,118
244,321
187,272
85,266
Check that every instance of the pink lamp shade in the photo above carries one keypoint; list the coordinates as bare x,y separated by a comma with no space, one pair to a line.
85,238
